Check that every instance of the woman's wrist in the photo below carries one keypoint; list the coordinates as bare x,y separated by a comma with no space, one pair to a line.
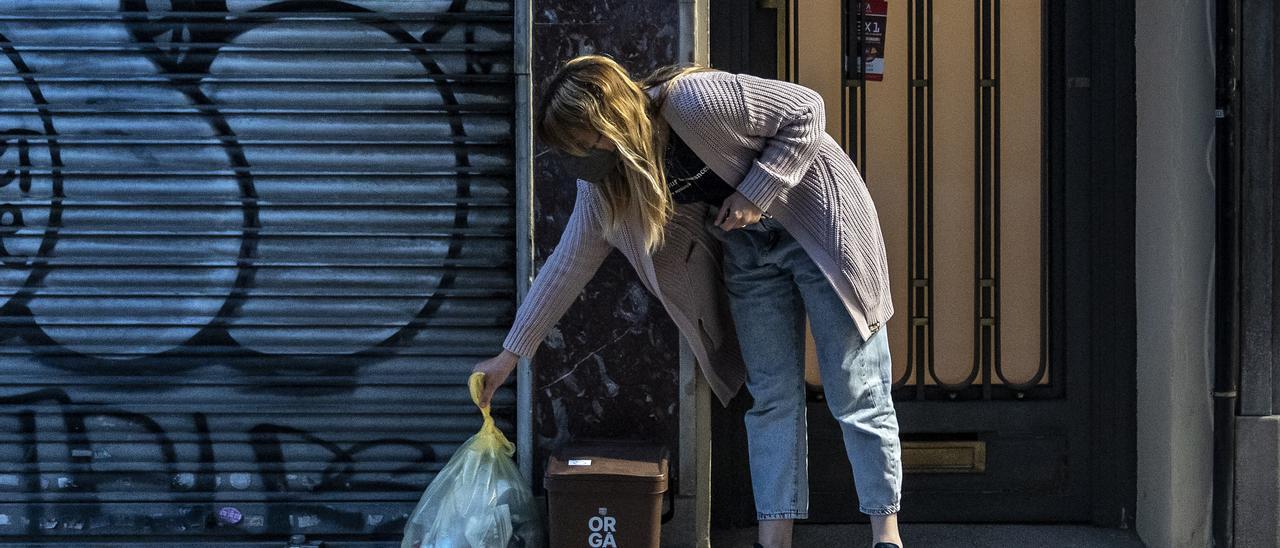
509,356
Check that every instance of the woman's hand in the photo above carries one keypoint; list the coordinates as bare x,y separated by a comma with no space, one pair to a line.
496,370
737,212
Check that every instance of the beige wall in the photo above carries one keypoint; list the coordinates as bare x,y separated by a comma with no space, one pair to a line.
1175,238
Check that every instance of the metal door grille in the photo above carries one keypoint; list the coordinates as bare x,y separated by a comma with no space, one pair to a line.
935,362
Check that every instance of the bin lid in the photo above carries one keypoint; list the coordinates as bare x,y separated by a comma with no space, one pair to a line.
619,462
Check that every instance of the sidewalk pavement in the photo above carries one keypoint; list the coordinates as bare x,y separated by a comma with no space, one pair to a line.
946,535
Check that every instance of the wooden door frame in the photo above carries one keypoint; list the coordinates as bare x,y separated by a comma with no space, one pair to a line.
1089,90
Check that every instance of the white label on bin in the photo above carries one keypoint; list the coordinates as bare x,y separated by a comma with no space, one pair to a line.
602,529
579,462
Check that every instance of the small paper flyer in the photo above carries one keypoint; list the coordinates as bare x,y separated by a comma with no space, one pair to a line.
869,65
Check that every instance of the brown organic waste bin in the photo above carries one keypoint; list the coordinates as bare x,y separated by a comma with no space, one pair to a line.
606,494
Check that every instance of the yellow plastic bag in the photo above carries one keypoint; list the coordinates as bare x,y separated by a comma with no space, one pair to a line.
479,499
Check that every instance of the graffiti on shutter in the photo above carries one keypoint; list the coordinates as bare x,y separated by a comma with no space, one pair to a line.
250,251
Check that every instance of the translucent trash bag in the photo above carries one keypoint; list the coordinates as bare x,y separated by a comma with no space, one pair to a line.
479,499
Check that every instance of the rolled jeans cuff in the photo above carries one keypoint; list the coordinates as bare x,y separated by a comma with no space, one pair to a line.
881,511
781,515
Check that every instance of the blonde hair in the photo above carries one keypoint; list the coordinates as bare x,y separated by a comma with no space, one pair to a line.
594,92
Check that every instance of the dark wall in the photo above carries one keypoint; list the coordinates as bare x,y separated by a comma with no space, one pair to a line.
609,369
1259,222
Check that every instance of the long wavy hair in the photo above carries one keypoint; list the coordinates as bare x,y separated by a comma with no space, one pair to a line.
594,92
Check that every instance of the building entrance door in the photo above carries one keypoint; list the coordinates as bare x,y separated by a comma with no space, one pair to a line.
998,148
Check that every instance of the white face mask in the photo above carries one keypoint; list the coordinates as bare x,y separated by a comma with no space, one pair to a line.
594,167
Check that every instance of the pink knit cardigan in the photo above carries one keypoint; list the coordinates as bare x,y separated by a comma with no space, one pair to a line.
766,138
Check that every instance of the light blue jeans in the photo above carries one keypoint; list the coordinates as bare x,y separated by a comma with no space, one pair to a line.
772,284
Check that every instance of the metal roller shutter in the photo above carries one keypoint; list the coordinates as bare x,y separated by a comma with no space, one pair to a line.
251,250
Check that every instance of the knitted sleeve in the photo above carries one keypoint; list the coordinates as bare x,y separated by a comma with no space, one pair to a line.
577,256
792,119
